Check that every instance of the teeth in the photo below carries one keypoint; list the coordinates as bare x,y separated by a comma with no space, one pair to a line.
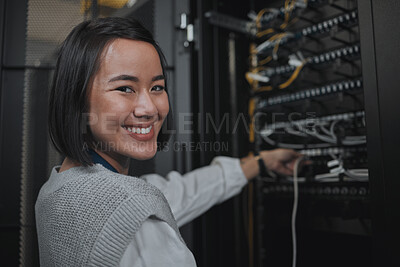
139,130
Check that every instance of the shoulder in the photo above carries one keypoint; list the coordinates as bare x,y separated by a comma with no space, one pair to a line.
91,207
97,193
95,180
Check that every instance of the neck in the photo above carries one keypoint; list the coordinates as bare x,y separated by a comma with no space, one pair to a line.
68,163
119,162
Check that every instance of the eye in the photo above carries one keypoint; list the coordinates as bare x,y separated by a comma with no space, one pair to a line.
158,88
125,89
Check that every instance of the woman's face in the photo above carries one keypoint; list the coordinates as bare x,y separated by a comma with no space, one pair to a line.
127,101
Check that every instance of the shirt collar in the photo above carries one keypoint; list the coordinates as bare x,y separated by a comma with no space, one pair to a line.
96,158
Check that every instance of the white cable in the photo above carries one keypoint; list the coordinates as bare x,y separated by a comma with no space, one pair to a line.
252,15
321,137
258,77
131,3
324,176
358,176
292,131
351,174
348,140
359,171
294,211
292,146
332,128
353,142
326,131
268,44
263,45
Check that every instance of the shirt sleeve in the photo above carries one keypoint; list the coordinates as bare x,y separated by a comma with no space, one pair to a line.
156,244
193,193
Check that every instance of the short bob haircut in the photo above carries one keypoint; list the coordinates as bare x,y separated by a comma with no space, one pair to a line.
77,64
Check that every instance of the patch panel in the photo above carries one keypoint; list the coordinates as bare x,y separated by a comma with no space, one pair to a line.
332,88
324,27
349,52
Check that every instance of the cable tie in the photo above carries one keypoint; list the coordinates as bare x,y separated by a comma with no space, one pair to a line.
337,170
333,163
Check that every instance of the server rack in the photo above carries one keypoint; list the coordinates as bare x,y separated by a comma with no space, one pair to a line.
350,220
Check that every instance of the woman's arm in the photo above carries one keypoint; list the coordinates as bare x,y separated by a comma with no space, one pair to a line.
193,193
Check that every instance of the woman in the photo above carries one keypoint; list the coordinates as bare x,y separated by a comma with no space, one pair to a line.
108,104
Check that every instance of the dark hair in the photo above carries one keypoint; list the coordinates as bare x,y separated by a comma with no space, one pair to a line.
78,62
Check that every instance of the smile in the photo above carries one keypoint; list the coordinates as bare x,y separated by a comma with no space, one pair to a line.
138,130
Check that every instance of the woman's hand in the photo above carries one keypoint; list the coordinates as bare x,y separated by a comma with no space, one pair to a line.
280,160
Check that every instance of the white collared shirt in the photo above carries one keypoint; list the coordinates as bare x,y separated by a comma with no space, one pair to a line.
189,196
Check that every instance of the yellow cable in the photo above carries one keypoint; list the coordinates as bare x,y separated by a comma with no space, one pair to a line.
265,60
287,2
251,113
289,6
294,20
259,16
264,88
276,47
248,78
265,32
116,4
293,77
276,36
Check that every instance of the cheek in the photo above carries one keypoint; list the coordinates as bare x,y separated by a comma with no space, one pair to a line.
163,105
106,114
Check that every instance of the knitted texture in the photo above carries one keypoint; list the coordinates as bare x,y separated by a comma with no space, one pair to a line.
87,216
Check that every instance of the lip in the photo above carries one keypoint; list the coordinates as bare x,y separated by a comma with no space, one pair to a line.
141,137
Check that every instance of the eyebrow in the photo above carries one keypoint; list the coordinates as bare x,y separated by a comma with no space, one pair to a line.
125,77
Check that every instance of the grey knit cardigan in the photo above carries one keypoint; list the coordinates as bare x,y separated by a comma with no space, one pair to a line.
87,216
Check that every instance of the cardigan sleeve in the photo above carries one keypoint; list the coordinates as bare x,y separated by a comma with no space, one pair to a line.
193,193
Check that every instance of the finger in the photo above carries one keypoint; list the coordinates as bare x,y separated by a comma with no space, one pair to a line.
284,170
293,155
294,152
306,162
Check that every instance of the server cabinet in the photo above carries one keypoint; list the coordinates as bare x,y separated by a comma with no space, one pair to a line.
323,84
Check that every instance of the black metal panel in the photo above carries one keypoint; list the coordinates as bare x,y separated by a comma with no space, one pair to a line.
11,126
145,14
9,246
205,96
383,115
14,33
2,21
202,104
374,134
387,39
220,240
11,120
12,59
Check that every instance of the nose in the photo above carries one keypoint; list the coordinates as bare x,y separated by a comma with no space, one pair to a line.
144,106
